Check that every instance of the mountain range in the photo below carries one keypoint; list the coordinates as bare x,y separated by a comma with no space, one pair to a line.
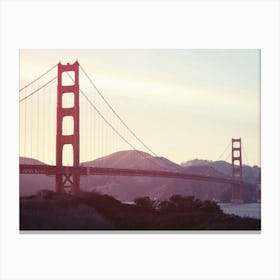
129,188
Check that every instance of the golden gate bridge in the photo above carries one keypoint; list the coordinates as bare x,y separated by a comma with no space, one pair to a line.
68,133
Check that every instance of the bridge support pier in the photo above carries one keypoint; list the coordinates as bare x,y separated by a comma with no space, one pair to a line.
68,181
237,195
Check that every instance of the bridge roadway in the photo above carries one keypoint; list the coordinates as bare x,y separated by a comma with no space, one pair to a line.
82,170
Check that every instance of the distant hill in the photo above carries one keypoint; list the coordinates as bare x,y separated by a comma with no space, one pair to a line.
134,160
25,160
250,174
128,188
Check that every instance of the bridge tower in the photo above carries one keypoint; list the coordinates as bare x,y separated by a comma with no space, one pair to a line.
68,180
237,190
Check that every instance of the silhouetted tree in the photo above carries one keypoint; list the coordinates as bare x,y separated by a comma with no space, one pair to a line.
143,202
166,207
183,203
211,206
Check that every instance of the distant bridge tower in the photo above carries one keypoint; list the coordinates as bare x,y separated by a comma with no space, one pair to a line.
68,180
237,190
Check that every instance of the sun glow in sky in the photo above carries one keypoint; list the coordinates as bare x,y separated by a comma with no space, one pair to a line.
183,104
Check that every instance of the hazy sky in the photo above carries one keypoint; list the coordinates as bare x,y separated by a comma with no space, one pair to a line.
184,104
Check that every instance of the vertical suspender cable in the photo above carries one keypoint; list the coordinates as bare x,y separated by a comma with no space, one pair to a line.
49,127
43,126
24,107
31,129
243,149
37,128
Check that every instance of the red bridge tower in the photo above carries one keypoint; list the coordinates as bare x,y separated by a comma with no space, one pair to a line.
68,180
237,190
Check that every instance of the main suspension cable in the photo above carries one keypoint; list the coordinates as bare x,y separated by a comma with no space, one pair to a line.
222,154
113,128
115,113
38,78
37,89
228,156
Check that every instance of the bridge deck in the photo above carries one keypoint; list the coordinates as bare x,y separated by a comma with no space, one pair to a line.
53,170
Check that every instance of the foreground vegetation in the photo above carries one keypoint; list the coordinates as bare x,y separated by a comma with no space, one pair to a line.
93,211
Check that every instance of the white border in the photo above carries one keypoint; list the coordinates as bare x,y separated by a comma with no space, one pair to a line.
146,24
